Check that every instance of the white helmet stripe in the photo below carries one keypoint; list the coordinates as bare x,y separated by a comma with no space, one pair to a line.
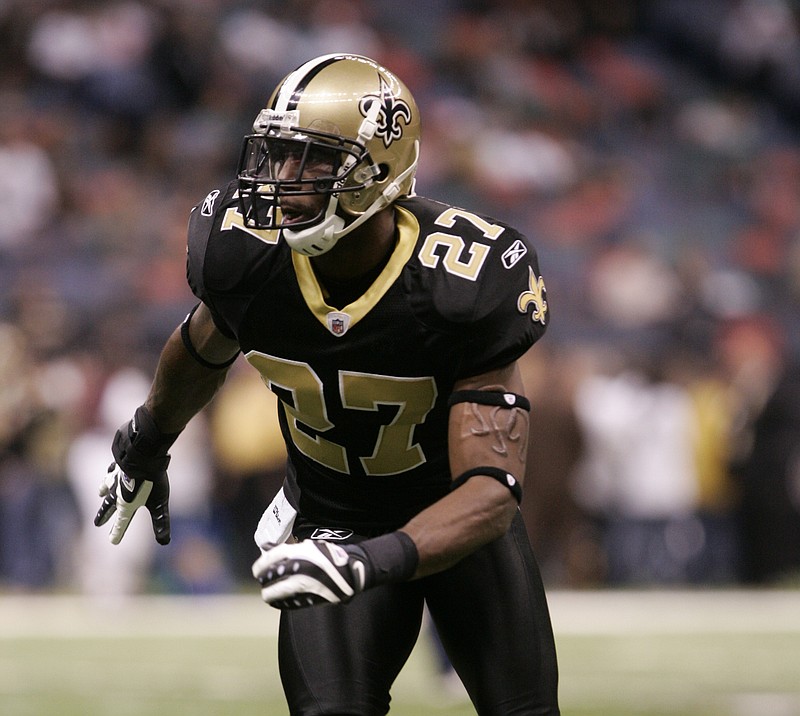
287,95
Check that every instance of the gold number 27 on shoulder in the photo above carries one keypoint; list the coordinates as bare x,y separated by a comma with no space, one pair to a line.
454,259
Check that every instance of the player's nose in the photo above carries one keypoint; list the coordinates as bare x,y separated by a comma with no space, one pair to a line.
289,170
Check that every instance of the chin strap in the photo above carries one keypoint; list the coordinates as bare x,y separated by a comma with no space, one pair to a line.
322,237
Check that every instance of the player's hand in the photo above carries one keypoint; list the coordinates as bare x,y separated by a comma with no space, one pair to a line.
310,572
137,478
123,495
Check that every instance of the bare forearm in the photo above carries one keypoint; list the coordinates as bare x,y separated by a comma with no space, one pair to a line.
453,527
481,509
181,386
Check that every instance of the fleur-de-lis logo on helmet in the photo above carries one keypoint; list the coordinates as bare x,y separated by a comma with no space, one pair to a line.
391,112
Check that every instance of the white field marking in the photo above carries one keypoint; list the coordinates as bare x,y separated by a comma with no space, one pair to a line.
141,616
675,611
573,612
774,704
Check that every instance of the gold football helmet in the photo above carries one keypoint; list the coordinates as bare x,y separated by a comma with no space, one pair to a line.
340,128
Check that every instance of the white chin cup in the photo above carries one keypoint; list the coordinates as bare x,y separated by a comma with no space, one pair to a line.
317,239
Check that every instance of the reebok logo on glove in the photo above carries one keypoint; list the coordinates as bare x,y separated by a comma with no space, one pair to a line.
308,573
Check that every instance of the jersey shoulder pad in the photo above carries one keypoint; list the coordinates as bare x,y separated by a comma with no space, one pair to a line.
469,263
201,225
480,278
222,251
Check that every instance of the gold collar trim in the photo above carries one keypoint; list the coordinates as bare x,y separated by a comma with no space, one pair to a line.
408,231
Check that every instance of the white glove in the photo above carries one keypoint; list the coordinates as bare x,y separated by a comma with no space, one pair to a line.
310,572
123,496
137,477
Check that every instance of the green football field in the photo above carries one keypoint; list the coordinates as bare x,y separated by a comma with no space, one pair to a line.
708,653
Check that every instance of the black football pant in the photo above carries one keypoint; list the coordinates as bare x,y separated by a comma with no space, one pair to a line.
489,610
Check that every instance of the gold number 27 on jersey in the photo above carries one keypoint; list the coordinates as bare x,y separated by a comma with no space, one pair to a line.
394,451
454,245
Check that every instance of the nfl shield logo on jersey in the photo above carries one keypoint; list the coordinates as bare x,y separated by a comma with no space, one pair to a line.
338,323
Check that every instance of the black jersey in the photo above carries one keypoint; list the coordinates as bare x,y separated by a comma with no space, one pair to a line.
363,389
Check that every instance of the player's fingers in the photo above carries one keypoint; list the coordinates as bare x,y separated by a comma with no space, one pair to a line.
108,480
159,513
122,519
296,591
107,508
126,511
297,586
268,559
296,602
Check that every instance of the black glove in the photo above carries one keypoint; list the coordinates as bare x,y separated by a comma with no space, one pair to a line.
313,572
138,476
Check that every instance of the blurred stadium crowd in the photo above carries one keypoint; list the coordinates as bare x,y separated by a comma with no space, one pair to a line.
651,149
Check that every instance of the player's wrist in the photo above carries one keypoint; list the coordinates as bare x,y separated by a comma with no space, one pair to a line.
140,448
146,436
387,559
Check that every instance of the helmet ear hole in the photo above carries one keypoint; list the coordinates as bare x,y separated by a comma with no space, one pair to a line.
383,172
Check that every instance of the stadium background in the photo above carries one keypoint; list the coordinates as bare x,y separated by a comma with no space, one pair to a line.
650,148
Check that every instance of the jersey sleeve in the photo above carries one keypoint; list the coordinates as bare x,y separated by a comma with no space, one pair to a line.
510,310
201,225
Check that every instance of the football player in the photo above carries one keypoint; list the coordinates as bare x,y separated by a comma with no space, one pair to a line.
389,326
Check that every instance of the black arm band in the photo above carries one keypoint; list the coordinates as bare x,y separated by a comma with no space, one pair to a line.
504,478
187,343
490,397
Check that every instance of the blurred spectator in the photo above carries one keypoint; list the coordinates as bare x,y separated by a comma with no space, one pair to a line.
38,519
718,497
637,474
193,562
100,55
250,460
556,524
37,512
766,461
103,571
29,192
